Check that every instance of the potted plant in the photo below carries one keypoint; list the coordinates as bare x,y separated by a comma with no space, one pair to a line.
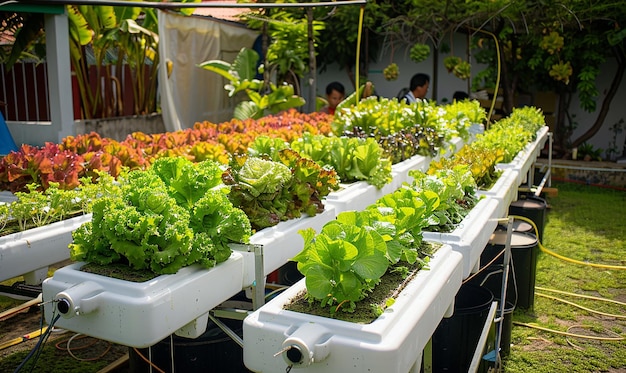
264,97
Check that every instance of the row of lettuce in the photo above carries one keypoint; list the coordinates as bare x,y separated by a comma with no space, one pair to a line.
56,181
402,131
345,261
166,207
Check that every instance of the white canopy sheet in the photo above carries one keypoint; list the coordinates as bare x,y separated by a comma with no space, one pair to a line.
191,94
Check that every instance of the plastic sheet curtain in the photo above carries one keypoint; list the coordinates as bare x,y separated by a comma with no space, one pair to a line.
191,94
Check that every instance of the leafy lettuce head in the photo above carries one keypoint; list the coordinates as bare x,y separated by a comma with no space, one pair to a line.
262,176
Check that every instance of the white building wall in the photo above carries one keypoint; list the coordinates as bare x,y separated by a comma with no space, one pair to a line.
447,84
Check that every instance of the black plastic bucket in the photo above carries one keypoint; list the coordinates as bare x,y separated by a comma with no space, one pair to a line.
456,337
288,274
522,271
533,208
213,351
520,225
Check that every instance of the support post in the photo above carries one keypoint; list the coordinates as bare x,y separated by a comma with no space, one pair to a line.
505,280
258,298
59,76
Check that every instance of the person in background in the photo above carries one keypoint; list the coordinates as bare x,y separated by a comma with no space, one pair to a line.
418,88
335,93
459,96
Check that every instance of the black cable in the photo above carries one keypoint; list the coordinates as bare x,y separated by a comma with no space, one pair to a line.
38,347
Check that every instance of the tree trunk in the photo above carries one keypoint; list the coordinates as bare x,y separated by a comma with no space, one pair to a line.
604,110
561,134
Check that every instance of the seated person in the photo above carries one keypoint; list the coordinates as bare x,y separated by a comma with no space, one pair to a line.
459,96
335,93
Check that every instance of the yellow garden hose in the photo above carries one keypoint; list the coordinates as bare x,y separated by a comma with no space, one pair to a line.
580,295
550,252
568,334
24,338
580,306
358,52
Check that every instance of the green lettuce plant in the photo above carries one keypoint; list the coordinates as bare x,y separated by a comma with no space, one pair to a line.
35,207
456,192
271,191
172,215
342,263
353,159
347,259
403,130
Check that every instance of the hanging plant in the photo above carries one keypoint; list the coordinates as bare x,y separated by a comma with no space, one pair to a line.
419,52
552,43
561,71
391,72
462,70
451,62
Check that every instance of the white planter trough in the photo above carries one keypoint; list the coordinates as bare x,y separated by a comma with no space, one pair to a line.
504,190
524,160
472,234
454,145
540,141
29,253
392,343
358,196
140,314
400,171
282,242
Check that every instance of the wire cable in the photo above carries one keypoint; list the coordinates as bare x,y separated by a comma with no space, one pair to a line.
152,365
36,351
70,350
358,52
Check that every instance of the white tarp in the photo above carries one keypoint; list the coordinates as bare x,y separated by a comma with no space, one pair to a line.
191,94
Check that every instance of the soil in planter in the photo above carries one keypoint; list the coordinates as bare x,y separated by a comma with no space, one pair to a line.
13,226
120,271
367,310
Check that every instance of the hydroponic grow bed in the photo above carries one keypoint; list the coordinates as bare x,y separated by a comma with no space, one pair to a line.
31,252
472,234
140,314
392,343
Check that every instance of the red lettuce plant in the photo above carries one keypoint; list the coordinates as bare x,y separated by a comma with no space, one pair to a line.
31,164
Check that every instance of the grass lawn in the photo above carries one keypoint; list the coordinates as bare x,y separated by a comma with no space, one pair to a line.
586,224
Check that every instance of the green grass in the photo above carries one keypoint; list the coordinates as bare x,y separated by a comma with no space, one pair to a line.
587,224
